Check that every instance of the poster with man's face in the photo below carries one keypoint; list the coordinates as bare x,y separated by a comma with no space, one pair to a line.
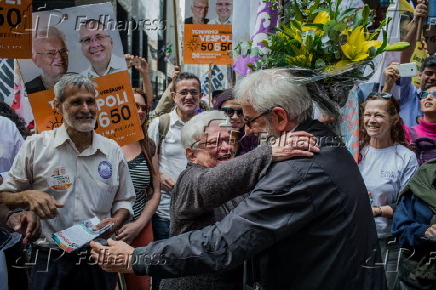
82,39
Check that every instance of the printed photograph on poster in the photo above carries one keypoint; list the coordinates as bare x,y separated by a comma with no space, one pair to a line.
208,11
83,39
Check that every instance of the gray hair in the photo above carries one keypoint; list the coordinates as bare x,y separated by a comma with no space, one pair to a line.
266,89
194,129
74,80
47,33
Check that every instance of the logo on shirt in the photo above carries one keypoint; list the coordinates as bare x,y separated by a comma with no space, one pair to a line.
387,174
105,169
60,179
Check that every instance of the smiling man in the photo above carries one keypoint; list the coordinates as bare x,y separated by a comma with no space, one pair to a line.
50,54
199,9
224,9
66,176
97,47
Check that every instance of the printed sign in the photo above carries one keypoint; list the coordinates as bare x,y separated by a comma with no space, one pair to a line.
117,116
206,43
15,29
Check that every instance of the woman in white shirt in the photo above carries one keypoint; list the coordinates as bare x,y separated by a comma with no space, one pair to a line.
386,164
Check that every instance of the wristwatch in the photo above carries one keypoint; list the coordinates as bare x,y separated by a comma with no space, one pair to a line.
379,214
17,210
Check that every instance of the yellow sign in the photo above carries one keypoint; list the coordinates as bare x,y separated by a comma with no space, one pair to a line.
208,42
117,116
15,29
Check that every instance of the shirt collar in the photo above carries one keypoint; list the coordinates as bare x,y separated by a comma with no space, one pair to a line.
61,136
175,118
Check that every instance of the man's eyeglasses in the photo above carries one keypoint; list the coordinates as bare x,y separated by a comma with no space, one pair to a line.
230,112
186,92
424,95
97,38
143,108
248,121
51,54
201,8
385,96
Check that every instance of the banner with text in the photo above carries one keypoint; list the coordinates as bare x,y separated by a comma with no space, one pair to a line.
117,116
208,43
15,29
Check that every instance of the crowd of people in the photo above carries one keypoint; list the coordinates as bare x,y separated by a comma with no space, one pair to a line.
201,202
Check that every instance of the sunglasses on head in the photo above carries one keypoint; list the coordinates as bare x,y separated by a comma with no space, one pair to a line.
424,95
230,112
385,96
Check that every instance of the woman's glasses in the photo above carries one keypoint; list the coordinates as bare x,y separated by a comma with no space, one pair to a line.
230,112
143,108
385,96
424,95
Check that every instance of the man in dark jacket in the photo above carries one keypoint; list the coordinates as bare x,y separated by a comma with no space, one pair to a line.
306,225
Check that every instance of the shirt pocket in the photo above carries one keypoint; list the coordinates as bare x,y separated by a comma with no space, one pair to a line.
103,196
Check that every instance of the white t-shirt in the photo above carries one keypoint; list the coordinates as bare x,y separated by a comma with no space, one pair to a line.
172,157
385,172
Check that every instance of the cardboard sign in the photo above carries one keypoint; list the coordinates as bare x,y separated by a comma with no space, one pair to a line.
15,29
117,116
208,42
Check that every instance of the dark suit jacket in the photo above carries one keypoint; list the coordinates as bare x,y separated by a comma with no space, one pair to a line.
306,225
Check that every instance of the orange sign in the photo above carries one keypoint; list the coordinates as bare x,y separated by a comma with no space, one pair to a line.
15,29
208,42
117,116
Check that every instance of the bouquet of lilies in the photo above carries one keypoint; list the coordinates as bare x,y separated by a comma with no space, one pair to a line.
319,36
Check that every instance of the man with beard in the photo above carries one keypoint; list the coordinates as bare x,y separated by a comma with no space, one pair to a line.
224,9
97,47
307,224
66,176
50,54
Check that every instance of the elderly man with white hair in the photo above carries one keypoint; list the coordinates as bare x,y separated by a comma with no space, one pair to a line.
307,224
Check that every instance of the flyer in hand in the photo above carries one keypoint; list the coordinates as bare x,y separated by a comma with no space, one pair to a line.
78,235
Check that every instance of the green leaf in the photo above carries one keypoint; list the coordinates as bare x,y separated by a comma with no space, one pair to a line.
320,63
372,52
385,42
397,46
297,12
317,25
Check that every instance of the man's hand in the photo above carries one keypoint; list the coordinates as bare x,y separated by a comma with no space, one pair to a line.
128,232
176,72
26,223
166,182
391,76
431,231
421,10
44,205
293,145
117,257
116,224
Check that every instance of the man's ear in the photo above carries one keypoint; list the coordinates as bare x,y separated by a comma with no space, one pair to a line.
35,59
191,155
173,95
280,119
57,106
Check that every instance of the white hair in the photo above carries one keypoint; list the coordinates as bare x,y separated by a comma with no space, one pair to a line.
194,129
50,32
266,89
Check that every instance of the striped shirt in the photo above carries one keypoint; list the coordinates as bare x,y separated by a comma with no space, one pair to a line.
140,174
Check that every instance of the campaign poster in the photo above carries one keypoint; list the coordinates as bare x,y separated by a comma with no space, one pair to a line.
84,40
15,29
208,32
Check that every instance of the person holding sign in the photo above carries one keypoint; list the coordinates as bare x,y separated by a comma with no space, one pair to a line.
224,9
199,12
68,175
50,54
97,47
